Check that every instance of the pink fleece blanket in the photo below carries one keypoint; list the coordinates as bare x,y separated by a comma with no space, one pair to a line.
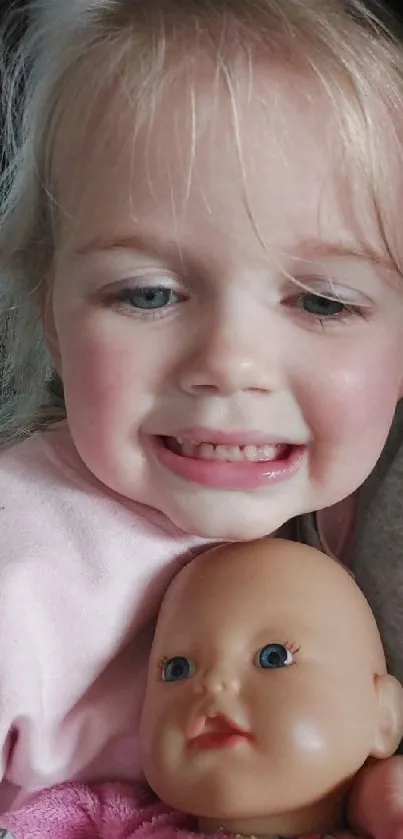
107,811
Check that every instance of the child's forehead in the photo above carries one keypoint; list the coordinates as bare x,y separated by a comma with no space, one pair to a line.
194,111
207,147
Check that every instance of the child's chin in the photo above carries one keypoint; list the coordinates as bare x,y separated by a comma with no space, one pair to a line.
223,519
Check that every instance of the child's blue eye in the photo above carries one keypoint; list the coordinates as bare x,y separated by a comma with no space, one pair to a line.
177,669
148,297
322,307
273,656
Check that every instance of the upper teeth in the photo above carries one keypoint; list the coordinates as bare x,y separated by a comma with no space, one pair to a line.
210,451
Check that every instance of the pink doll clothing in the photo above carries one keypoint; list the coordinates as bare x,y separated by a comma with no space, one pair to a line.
109,811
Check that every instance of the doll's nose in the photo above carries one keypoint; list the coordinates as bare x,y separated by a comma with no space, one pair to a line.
217,681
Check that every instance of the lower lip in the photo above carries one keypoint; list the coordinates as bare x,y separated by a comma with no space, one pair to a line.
220,474
218,741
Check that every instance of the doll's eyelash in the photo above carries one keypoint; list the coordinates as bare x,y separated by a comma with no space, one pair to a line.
161,664
292,648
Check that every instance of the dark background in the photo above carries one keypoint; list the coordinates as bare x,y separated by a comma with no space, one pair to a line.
397,8
394,5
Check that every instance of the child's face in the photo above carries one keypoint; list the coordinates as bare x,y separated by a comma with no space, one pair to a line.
176,318
261,694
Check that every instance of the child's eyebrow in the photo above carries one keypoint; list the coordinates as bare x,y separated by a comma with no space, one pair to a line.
308,249
140,242
311,249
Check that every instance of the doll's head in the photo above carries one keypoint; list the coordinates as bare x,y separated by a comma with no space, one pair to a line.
267,690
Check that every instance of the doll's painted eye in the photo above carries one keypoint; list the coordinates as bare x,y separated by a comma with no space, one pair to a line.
273,656
177,669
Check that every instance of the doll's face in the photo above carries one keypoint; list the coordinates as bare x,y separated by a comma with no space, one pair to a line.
261,692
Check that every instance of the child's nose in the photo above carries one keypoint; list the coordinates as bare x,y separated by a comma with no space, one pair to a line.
226,360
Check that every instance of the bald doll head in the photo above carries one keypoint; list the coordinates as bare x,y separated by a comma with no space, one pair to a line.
267,690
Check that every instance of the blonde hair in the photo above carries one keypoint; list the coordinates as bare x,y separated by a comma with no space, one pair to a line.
75,51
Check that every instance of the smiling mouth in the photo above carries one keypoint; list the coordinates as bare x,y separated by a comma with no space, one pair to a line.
193,449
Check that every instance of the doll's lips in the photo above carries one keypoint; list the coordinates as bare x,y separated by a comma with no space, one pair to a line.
218,732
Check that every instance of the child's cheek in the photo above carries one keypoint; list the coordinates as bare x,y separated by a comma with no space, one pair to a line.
353,391
100,381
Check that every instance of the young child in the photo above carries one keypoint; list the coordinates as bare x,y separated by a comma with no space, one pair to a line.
200,233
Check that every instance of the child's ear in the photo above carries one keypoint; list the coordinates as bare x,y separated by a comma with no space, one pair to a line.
390,716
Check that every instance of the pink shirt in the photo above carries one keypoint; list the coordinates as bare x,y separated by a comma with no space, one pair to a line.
82,574
110,811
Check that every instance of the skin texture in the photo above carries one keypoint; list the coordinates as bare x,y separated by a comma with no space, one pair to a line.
308,726
375,806
235,346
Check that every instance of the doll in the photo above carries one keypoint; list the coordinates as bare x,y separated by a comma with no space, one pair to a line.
267,691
